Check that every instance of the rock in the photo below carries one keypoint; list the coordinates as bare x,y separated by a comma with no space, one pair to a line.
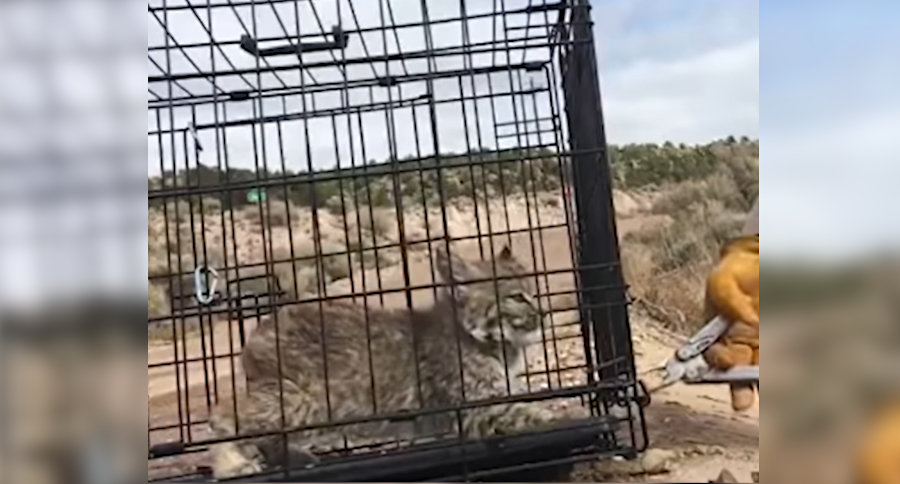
716,450
657,461
652,462
726,477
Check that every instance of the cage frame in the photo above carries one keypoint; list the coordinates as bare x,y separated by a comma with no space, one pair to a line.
579,147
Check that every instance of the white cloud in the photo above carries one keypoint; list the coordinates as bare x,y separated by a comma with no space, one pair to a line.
692,100
831,185
635,30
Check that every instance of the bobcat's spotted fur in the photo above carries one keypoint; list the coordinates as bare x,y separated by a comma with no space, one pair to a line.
492,321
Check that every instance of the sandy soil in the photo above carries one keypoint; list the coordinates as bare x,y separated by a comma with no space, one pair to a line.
695,423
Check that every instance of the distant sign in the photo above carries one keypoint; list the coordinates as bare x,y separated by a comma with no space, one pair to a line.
256,196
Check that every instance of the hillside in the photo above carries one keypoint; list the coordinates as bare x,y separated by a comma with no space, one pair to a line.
678,204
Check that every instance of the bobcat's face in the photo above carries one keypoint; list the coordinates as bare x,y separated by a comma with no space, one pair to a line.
494,309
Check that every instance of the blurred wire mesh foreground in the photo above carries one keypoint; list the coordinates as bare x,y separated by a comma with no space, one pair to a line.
72,235
70,394
832,339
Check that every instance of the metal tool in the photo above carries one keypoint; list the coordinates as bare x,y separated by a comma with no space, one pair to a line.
690,367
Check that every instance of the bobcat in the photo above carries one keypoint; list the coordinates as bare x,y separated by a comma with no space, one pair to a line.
385,362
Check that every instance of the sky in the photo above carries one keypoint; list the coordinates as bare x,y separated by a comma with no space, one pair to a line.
832,152
686,72
682,71
689,71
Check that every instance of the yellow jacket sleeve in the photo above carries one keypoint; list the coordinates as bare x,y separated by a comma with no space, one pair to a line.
732,292
879,458
733,286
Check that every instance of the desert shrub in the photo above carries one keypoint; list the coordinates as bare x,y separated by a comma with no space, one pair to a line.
378,222
368,258
681,197
454,186
157,261
189,262
296,267
380,194
274,213
303,266
157,301
550,199
411,185
667,265
694,195
212,206
665,269
157,253
335,205
744,172
163,250
278,214
178,211
336,263
642,165
368,223
167,332
297,278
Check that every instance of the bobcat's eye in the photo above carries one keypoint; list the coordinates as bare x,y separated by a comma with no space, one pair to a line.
523,298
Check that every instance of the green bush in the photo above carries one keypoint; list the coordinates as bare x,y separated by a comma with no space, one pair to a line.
638,166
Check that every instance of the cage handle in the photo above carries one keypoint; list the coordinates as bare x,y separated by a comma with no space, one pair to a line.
251,46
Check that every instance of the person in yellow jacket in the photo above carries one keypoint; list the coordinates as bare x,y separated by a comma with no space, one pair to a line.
732,292
878,459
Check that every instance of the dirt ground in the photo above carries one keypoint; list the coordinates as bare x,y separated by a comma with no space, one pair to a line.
694,425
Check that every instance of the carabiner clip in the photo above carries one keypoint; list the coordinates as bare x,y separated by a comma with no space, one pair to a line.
205,295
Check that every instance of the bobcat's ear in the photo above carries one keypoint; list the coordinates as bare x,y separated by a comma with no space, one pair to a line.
506,254
452,270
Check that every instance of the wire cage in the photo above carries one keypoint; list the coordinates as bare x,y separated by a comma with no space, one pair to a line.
309,163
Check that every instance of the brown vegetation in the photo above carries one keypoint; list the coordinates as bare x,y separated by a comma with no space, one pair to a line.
667,264
694,199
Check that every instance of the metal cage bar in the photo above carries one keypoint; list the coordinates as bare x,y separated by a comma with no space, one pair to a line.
343,190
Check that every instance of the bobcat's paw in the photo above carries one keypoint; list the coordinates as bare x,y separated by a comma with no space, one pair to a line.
231,460
302,457
522,417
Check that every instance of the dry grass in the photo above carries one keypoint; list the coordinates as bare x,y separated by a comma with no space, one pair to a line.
295,277
300,274
275,213
667,265
163,333
379,222
157,301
